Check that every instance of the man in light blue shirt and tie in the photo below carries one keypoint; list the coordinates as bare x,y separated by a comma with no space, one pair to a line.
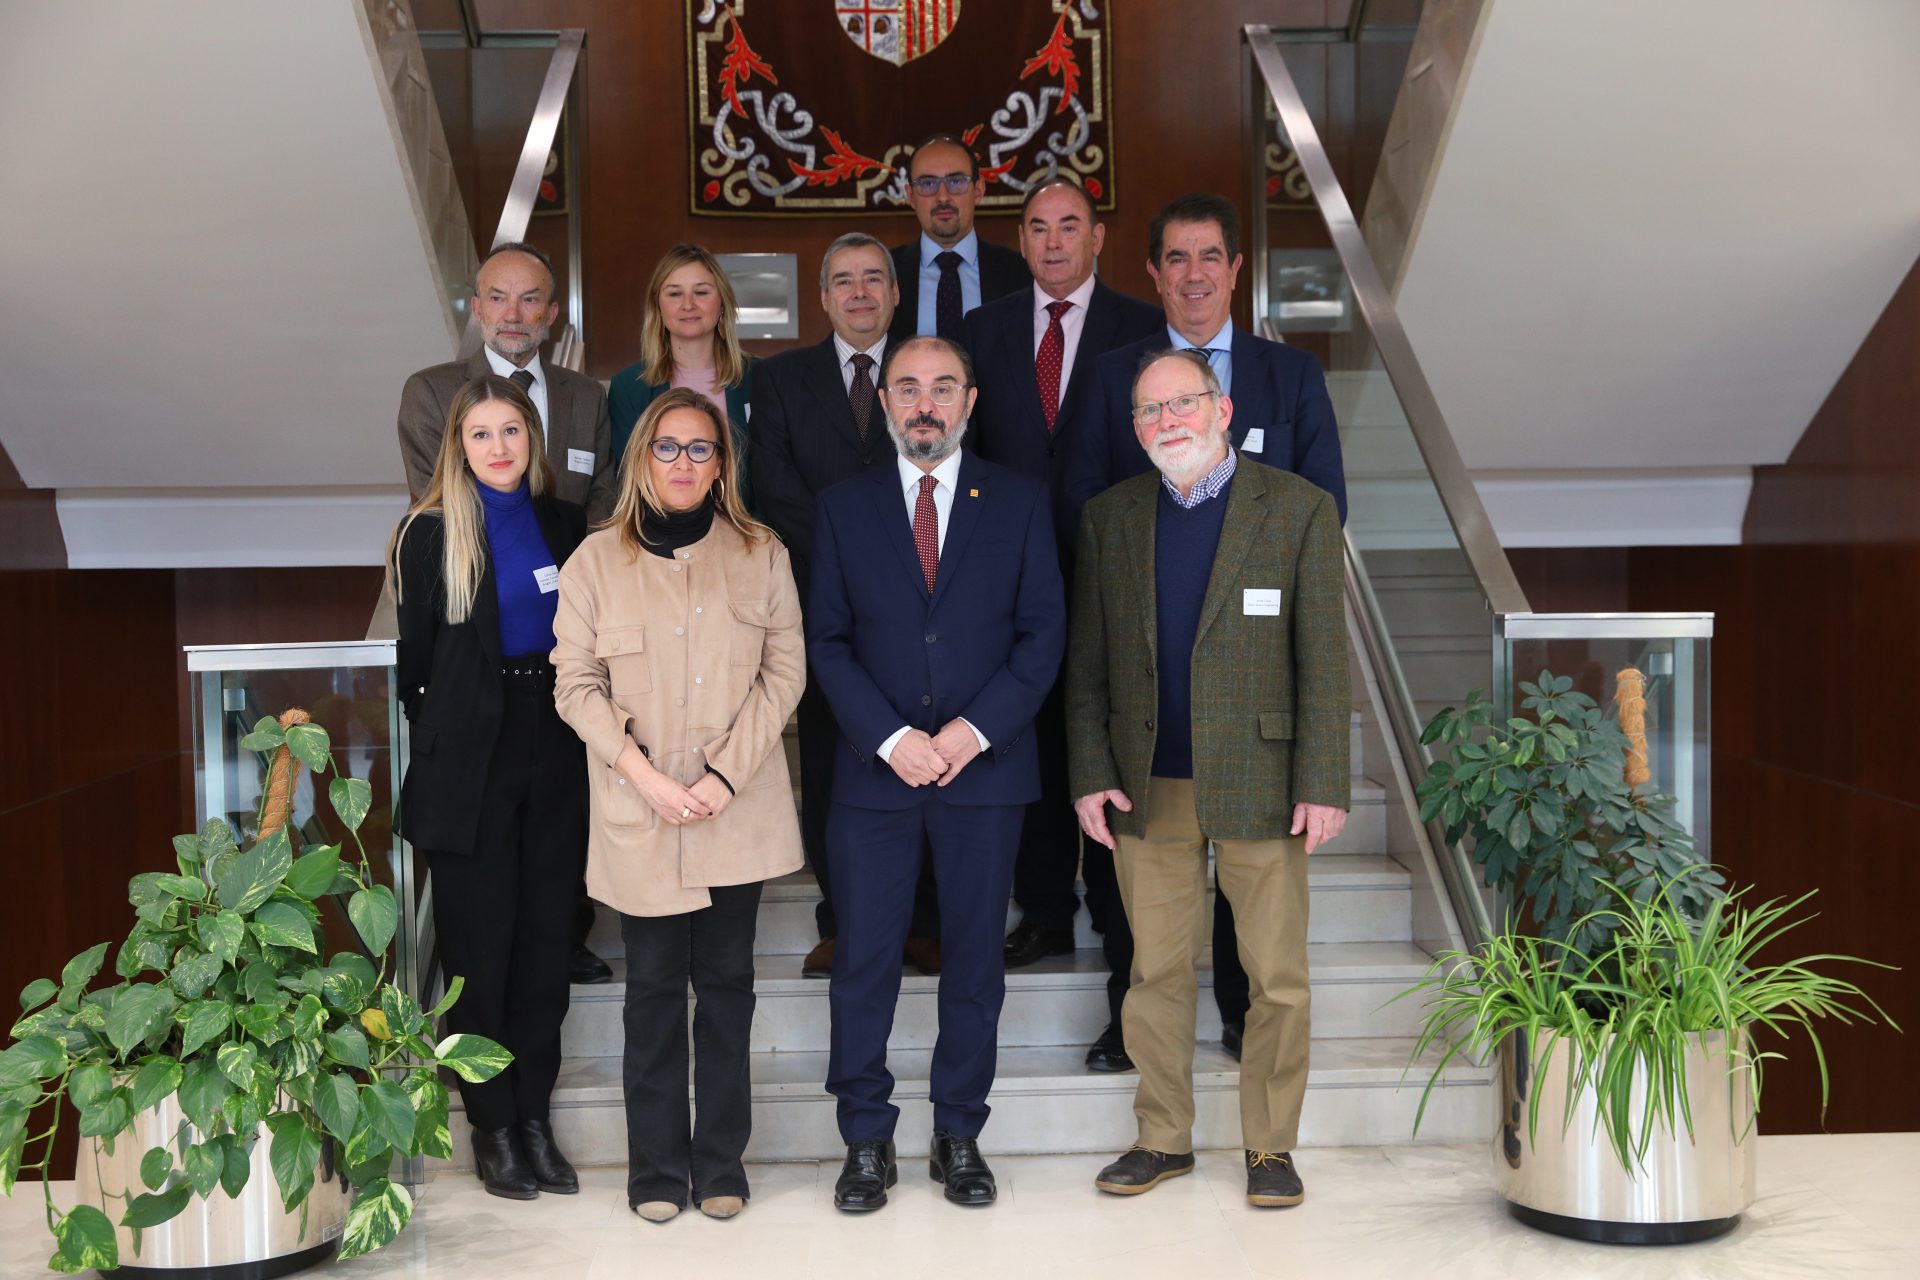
949,270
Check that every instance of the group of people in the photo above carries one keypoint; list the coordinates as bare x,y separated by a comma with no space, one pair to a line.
1032,561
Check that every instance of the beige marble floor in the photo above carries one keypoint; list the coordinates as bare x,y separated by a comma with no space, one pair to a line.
1828,1206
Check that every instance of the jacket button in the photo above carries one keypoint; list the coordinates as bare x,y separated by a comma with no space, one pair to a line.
1149,670
931,637
676,567
926,699
1149,726
699,679
679,702
621,782
680,631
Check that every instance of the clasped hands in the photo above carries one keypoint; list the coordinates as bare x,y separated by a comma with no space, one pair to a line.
920,759
677,806
1320,822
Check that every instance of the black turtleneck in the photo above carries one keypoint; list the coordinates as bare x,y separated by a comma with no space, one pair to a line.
666,532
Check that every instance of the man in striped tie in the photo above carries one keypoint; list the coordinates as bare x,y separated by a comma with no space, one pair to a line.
935,625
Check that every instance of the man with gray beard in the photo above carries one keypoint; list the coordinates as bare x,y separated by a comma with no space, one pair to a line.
935,628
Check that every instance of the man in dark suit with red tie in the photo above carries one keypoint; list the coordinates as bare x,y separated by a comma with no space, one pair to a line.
816,421
936,622
1034,352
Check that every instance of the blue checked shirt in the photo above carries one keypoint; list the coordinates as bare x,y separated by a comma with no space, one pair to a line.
1211,485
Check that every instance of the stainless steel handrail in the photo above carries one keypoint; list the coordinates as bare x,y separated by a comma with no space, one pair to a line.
515,214
1458,497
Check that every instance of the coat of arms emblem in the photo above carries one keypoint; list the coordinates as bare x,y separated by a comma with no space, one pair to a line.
897,31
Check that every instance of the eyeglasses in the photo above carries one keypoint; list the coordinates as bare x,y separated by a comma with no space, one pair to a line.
1180,406
930,185
941,393
696,450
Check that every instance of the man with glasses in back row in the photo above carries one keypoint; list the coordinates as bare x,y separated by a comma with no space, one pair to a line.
949,270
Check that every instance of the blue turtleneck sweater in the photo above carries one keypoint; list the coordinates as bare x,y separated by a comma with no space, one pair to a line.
519,551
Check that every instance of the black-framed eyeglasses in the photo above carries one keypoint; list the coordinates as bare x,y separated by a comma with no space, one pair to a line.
941,393
696,450
1180,406
930,184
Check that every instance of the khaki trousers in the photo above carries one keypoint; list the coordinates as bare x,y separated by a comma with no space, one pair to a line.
1163,884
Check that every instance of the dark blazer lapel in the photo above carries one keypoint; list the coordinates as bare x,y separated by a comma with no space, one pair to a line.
823,371
961,520
1096,339
1017,334
477,366
1246,513
1136,532
889,506
1252,391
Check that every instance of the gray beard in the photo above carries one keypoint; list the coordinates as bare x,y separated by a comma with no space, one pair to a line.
932,450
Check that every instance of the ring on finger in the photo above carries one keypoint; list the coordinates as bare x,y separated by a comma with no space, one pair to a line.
685,812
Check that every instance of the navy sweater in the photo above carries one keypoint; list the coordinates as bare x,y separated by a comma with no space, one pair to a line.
519,551
1183,545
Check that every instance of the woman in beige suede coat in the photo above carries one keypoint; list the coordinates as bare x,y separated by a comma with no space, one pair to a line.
679,660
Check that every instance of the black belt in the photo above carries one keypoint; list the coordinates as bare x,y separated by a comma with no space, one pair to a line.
527,669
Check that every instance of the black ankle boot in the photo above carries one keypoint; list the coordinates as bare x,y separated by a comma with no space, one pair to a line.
498,1163
550,1169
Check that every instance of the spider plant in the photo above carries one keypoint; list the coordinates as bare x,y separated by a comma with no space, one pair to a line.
1659,985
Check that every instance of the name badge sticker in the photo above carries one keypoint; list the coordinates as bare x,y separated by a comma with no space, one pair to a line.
1261,602
580,460
1256,441
548,578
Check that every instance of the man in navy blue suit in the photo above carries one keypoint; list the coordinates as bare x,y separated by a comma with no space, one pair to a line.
1281,416
936,626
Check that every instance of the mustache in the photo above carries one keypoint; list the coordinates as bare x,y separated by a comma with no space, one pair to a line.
923,420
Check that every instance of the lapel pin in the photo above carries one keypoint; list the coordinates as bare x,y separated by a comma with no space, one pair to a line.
973,493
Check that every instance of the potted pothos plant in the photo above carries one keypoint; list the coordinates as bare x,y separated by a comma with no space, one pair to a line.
1621,999
228,1023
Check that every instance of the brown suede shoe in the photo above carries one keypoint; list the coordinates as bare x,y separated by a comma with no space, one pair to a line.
923,954
819,961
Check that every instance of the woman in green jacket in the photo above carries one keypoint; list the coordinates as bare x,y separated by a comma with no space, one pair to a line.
689,338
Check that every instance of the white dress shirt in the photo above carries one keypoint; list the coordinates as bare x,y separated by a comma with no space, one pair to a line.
945,476
537,393
1071,323
847,351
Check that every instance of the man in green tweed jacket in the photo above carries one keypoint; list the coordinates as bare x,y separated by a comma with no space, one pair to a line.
1208,700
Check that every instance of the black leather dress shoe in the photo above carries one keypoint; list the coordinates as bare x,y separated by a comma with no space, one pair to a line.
1231,1036
1109,1052
958,1163
550,1169
1140,1169
499,1164
586,969
869,1170
1031,942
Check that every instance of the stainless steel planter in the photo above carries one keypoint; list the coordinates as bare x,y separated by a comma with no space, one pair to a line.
1566,1177
249,1238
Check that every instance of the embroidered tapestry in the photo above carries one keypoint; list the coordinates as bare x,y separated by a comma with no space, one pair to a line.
813,106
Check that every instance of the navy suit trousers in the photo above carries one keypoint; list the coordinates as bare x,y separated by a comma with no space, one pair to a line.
875,859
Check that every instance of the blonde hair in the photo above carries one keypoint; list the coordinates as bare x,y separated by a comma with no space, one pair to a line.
455,495
656,348
637,496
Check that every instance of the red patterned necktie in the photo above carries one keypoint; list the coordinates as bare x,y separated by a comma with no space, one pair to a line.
1046,365
926,531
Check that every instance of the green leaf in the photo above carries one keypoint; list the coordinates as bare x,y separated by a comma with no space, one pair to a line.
403,1015
37,993
13,1134
81,969
430,1134
294,1153
152,1210
203,1091
280,924
109,1118
262,985
378,1216
472,1058
309,1015
308,742
156,1079
205,1022
86,1239
368,1155
192,888
348,1045
236,1165
204,1164
190,850
155,1166
222,934
267,735
336,1100
193,972
312,874
90,1085
390,1112
351,797
375,914
251,878
458,985
32,1059
236,1063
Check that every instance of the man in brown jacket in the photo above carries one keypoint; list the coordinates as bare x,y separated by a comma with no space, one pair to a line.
1208,700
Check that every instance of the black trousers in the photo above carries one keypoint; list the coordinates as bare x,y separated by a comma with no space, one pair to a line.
503,914
819,743
1230,988
713,949
1050,833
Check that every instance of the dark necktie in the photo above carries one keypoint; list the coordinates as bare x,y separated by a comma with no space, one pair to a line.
926,531
1046,365
860,392
946,302
524,377
1207,354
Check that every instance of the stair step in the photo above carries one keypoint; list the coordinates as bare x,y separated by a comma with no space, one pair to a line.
1060,1000
1045,1100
